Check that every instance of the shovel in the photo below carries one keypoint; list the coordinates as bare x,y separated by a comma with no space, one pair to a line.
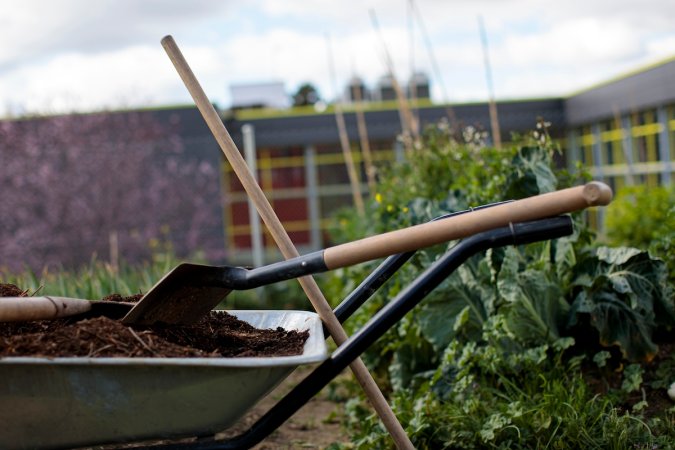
190,291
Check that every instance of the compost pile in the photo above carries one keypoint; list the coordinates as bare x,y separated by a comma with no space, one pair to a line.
216,335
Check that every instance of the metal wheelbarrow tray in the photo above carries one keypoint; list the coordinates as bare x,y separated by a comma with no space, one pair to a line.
70,402
80,401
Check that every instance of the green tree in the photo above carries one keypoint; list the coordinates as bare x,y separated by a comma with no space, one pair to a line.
306,95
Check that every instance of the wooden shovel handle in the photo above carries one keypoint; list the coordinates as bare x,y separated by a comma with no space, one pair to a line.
18,309
420,236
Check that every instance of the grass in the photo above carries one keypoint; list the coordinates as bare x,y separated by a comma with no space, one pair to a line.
98,279
550,404
94,280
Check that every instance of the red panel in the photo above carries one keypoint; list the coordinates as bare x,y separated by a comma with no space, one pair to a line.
291,209
239,212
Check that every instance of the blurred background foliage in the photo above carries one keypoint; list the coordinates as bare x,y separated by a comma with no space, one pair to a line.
501,354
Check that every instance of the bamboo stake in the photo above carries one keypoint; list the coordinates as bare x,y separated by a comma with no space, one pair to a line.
349,161
408,121
494,119
344,139
282,239
434,64
363,138
412,83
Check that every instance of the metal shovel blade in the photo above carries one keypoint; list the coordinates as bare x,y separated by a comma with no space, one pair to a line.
184,295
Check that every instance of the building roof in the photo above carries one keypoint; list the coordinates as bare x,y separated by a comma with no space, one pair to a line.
645,88
384,124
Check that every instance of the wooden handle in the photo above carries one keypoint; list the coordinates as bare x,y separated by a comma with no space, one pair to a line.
18,309
432,233
282,239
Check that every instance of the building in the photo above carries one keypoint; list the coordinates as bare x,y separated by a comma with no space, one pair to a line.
301,168
622,129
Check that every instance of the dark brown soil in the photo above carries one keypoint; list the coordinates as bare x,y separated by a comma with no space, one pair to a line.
10,290
603,381
217,335
119,298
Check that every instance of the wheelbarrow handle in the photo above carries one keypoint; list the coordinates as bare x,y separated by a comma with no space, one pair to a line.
448,228
425,235
383,320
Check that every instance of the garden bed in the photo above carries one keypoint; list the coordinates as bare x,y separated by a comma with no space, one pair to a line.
217,335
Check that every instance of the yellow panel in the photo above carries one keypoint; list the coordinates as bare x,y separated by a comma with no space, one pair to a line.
587,140
611,135
325,159
290,226
647,130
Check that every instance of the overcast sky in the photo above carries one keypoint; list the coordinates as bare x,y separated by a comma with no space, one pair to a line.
81,55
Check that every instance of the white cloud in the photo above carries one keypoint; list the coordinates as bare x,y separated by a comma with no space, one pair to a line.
73,81
661,47
575,42
37,29
79,54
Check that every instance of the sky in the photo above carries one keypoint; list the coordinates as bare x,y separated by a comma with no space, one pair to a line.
82,55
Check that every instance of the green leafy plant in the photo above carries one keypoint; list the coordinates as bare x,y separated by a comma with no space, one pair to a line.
644,217
625,295
641,215
492,358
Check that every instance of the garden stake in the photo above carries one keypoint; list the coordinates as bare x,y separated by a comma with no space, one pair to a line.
408,123
363,138
344,139
282,239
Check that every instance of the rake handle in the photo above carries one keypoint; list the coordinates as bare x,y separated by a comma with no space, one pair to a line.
282,239
425,235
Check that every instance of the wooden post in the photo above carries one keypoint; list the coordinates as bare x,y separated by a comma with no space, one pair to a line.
254,220
313,206
626,146
664,146
114,244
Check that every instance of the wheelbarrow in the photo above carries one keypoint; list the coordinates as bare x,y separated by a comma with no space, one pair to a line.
71,402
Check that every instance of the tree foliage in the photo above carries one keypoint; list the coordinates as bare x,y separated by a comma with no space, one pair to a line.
70,182
306,95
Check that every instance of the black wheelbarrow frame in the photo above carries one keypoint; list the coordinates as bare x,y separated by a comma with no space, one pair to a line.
381,322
